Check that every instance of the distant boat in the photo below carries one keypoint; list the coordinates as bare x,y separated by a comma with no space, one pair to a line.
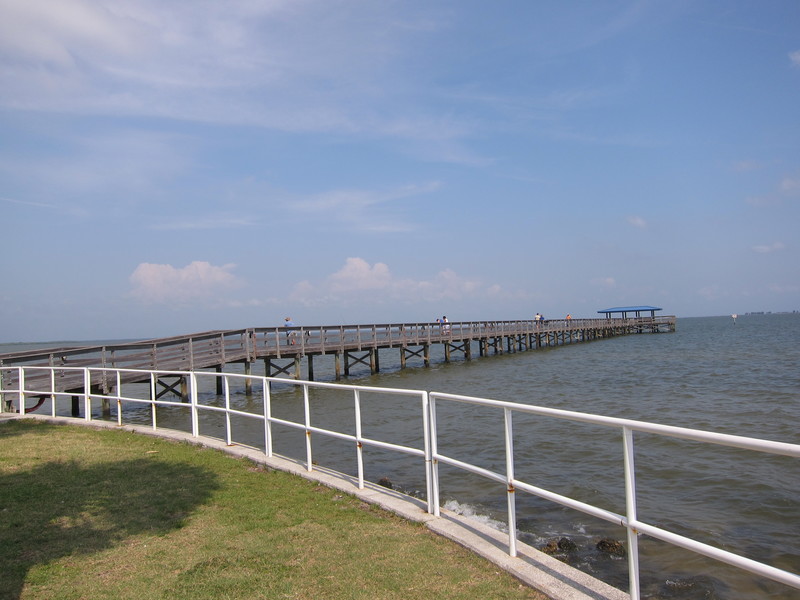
733,316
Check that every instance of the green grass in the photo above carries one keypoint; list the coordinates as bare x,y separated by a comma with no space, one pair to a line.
99,514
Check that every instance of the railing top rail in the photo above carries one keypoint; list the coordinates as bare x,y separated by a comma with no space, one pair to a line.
722,439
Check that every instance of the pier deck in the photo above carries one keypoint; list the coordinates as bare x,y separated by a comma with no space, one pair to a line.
283,348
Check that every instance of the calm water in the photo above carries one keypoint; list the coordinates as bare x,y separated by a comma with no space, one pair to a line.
710,374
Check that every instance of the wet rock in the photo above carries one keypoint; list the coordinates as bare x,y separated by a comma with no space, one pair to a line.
385,482
567,545
551,547
611,547
563,545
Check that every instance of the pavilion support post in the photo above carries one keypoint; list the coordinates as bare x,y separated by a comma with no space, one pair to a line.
297,360
76,410
468,349
337,365
105,407
446,352
310,367
427,354
184,389
218,369
402,357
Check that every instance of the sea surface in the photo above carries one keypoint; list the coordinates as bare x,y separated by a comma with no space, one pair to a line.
714,374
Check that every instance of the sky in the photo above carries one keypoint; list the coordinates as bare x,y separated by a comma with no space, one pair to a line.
177,166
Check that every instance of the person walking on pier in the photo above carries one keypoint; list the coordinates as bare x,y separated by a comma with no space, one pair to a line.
287,322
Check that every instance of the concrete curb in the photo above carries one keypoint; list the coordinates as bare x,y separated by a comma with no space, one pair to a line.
534,568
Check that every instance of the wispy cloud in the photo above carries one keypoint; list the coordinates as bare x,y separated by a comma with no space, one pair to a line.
790,186
205,222
638,222
306,67
605,282
371,211
27,203
795,58
767,248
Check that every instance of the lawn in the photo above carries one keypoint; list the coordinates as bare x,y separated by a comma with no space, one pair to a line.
93,514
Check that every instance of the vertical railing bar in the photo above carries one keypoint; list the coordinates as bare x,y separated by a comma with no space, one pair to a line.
426,428
512,505
119,398
227,387
307,410
267,398
87,400
359,445
434,451
193,399
631,513
53,392
153,398
21,392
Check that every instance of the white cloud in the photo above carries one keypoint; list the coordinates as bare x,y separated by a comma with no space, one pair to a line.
764,249
606,282
196,281
359,281
790,186
795,58
637,222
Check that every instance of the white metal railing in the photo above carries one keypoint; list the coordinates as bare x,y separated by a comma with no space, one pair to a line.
630,521
18,392
196,406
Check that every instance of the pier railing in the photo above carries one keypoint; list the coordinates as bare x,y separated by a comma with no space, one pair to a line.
426,450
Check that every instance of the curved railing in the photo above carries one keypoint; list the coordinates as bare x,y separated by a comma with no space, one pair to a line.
426,409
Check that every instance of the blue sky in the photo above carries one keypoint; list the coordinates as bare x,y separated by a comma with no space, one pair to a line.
169,167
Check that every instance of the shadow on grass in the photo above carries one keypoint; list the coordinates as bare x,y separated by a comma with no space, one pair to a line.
59,509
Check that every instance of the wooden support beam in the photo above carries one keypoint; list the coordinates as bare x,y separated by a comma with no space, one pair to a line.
248,383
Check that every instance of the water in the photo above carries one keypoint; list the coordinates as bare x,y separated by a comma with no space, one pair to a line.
710,374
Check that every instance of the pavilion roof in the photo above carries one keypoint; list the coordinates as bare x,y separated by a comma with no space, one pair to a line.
624,309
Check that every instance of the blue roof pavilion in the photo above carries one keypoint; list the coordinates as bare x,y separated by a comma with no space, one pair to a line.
624,310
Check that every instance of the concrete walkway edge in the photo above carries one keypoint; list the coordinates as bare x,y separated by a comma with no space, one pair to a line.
544,573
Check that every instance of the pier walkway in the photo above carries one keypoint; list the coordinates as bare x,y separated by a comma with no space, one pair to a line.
284,349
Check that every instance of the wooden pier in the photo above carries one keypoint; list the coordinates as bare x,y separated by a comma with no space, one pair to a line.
283,349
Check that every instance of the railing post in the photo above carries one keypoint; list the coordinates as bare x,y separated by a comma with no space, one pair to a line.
21,393
227,385
434,451
87,400
426,435
307,411
193,399
119,398
359,445
630,509
512,504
